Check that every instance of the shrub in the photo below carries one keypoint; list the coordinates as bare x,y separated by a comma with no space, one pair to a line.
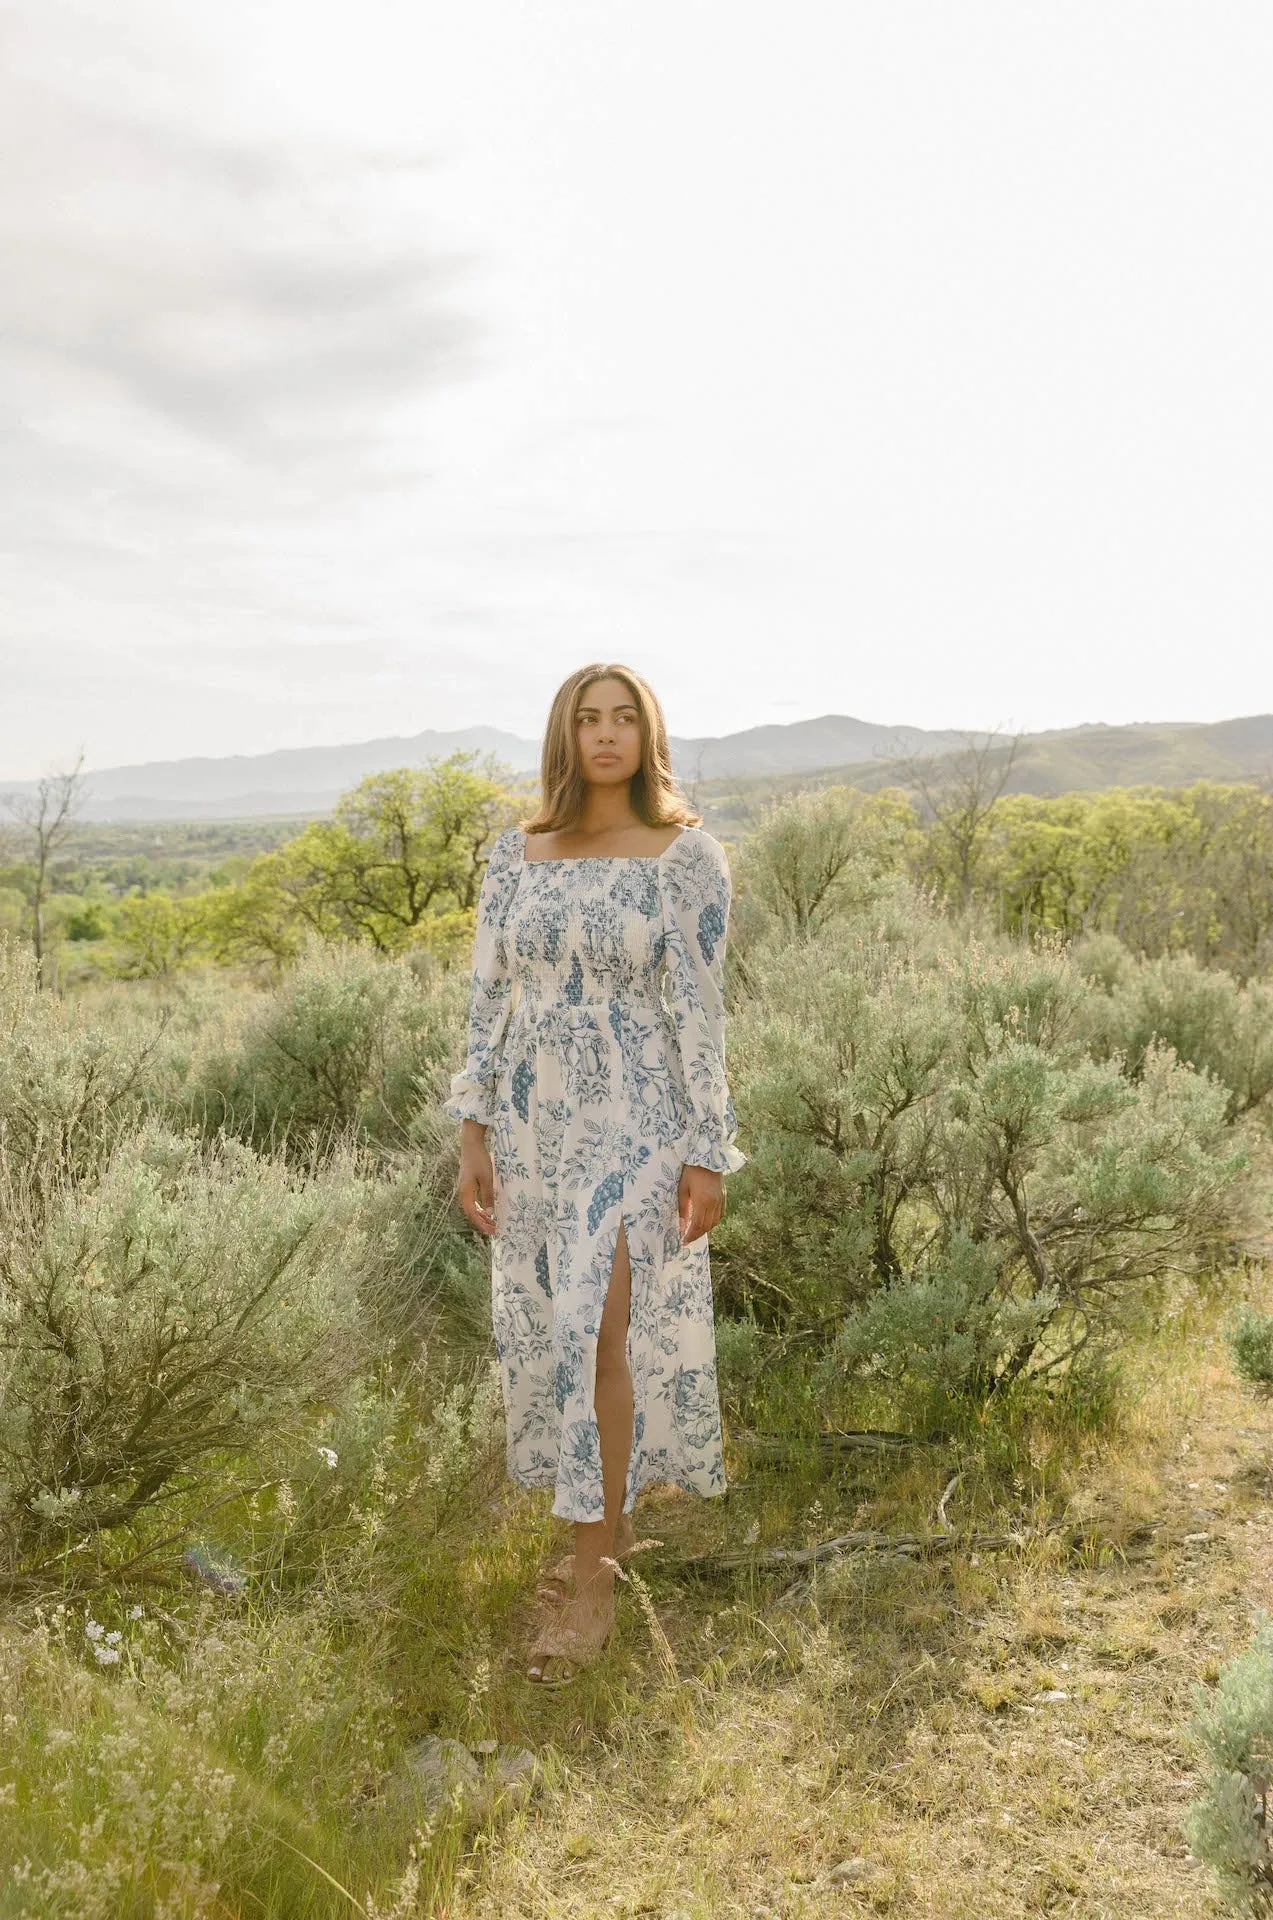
68,1087
1210,1022
426,1271
902,1090
837,1056
184,1303
89,921
200,1753
818,855
950,1329
1228,1825
1249,1338
741,1353
346,1044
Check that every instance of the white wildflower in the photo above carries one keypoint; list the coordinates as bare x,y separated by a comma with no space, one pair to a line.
94,1628
330,1455
134,1613
106,1655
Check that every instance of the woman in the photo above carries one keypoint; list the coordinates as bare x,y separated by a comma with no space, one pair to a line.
610,1132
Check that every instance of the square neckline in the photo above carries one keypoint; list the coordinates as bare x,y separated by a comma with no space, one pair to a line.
578,859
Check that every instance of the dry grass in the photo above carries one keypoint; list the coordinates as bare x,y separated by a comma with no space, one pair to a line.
993,1735
999,1737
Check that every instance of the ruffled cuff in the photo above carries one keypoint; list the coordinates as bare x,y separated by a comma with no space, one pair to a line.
717,1159
711,1145
469,1101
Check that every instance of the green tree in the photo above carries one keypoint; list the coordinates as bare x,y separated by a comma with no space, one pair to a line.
252,920
159,935
403,846
1207,889
1183,871
1062,865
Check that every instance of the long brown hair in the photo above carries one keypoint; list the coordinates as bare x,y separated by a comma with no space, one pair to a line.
656,800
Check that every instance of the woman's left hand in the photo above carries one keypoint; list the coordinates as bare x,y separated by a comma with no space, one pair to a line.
700,1202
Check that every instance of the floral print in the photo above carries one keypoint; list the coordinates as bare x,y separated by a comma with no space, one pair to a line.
596,1059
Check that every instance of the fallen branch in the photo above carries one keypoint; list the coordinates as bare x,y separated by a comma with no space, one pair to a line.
868,1440
909,1545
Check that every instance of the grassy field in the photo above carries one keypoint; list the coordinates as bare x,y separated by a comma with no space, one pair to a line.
260,1555
964,1733
973,1734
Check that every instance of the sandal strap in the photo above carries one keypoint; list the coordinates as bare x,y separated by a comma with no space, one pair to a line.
558,1641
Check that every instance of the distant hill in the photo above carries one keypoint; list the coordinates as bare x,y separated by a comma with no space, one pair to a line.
1073,760
310,780
305,781
804,745
295,780
1084,759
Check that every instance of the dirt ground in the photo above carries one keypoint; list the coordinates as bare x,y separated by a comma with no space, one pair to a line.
975,1735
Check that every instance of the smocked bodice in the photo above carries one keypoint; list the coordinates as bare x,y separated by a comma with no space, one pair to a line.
585,931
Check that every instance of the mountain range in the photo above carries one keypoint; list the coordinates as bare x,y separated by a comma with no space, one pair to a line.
309,780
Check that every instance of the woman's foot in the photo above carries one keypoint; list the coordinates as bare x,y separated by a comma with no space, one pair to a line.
574,1636
558,1583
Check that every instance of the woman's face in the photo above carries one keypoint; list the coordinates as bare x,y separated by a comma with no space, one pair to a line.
608,729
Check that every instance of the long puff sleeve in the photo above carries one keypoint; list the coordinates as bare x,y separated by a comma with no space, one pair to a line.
695,885
472,1094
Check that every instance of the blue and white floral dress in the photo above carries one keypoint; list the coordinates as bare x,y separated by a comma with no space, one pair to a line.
596,1058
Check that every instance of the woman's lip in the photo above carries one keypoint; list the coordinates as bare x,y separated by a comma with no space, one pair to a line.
607,758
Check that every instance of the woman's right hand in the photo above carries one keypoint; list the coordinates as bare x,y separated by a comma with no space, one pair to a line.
477,1177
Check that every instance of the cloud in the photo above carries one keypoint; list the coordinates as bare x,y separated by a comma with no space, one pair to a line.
195,325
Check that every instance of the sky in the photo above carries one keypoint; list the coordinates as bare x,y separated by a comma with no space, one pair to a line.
367,367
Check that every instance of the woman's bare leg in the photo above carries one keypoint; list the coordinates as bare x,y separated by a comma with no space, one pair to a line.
591,1608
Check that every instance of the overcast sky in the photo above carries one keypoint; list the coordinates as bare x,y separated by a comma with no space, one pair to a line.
365,365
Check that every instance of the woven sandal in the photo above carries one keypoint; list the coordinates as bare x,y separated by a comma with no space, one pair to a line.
557,1641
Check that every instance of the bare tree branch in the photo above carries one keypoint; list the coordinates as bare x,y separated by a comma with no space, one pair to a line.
958,793
45,819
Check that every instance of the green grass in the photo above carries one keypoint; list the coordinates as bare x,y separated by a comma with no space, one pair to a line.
240,1757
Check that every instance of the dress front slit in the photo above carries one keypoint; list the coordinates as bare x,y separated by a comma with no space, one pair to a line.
596,1060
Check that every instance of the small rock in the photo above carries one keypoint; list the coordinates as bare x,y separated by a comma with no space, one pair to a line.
1054,1693
851,1873
512,1779
438,1770
1196,1539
